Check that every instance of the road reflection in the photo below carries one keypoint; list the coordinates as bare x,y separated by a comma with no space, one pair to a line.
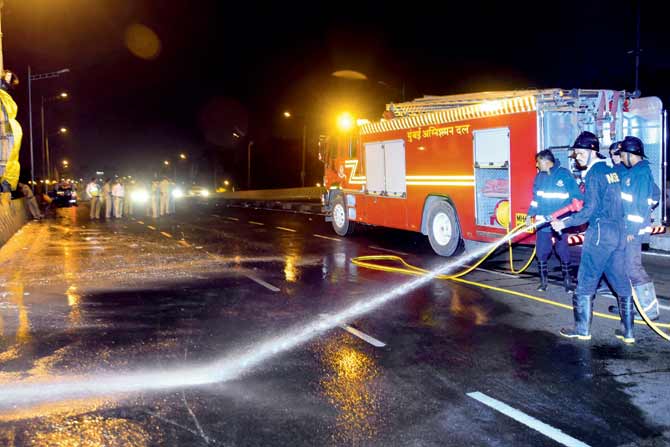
350,386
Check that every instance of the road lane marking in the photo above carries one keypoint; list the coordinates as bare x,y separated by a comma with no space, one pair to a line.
360,334
261,282
140,222
287,229
215,215
506,275
166,234
363,336
184,243
256,223
401,253
150,227
232,218
328,237
529,421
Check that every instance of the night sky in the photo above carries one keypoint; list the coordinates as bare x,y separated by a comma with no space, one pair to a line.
227,67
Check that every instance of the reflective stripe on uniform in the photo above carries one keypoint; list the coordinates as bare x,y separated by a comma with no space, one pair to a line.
627,197
635,218
652,202
645,230
553,195
533,204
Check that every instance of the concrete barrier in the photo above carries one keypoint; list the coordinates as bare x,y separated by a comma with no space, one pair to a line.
13,216
311,194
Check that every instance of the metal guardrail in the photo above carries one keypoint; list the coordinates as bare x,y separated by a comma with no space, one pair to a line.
311,194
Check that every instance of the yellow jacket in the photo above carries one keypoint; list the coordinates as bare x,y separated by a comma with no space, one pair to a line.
13,134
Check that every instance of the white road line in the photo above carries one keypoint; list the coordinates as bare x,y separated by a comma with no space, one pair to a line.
232,218
507,275
328,237
150,227
261,282
255,223
401,253
215,215
529,421
166,234
140,222
363,336
287,229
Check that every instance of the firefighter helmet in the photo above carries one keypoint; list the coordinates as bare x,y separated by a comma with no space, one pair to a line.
632,145
586,140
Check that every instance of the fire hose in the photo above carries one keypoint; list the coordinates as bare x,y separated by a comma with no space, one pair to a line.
408,269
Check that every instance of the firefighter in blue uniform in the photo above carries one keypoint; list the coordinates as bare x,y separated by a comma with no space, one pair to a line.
615,157
553,188
640,195
604,241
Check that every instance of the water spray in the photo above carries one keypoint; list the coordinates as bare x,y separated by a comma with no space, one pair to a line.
229,367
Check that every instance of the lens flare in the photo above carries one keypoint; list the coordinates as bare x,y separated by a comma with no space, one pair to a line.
142,41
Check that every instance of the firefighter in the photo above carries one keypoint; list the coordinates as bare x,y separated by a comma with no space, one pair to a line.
553,188
604,242
640,195
615,158
10,134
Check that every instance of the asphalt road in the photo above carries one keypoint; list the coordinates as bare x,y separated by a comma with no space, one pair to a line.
234,326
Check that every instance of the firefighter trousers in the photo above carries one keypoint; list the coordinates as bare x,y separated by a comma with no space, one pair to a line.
544,246
633,255
603,253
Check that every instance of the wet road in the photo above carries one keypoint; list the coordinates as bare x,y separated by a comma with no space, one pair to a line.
219,326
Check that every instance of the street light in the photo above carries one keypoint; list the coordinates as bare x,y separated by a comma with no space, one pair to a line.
182,156
239,134
47,153
31,78
166,162
288,115
345,121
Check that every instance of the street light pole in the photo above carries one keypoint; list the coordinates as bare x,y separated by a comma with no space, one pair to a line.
304,143
249,163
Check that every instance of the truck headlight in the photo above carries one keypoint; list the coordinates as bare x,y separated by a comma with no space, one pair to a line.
205,193
177,193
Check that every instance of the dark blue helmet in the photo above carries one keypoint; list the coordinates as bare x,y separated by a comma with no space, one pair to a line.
632,145
586,140
614,148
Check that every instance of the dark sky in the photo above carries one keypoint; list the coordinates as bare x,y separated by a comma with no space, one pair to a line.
224,65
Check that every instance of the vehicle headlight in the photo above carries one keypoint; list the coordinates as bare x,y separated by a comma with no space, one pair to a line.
177,193
205,193
140,196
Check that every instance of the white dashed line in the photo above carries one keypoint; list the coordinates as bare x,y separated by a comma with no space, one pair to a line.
328,237
529,421
286,229
140,222
215,215
256,223
232,218
363,336
261,282
401,253
166,234
150,227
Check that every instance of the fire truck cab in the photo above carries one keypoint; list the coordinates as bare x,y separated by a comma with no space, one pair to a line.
460,168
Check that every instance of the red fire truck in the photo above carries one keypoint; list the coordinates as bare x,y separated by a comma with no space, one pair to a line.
460,168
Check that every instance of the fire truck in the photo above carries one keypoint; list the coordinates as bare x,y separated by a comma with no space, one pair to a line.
460,168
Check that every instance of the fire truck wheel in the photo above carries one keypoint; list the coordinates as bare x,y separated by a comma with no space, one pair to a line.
444,233
341,223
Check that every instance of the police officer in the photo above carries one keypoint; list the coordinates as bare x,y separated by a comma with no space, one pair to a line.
604,242
553,188
93,192
640,195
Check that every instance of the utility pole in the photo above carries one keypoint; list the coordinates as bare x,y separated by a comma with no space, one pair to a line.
637,51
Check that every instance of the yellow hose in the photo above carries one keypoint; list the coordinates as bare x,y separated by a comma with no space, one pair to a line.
408,269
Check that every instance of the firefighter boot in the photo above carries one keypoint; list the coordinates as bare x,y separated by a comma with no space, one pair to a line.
626,312
544,273
567,279
582,308
646,295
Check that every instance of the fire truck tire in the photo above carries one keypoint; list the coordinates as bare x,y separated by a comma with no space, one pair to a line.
341,223
444,233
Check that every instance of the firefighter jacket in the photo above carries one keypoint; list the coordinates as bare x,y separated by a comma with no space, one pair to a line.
602,198
551,191
639,194
10,140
